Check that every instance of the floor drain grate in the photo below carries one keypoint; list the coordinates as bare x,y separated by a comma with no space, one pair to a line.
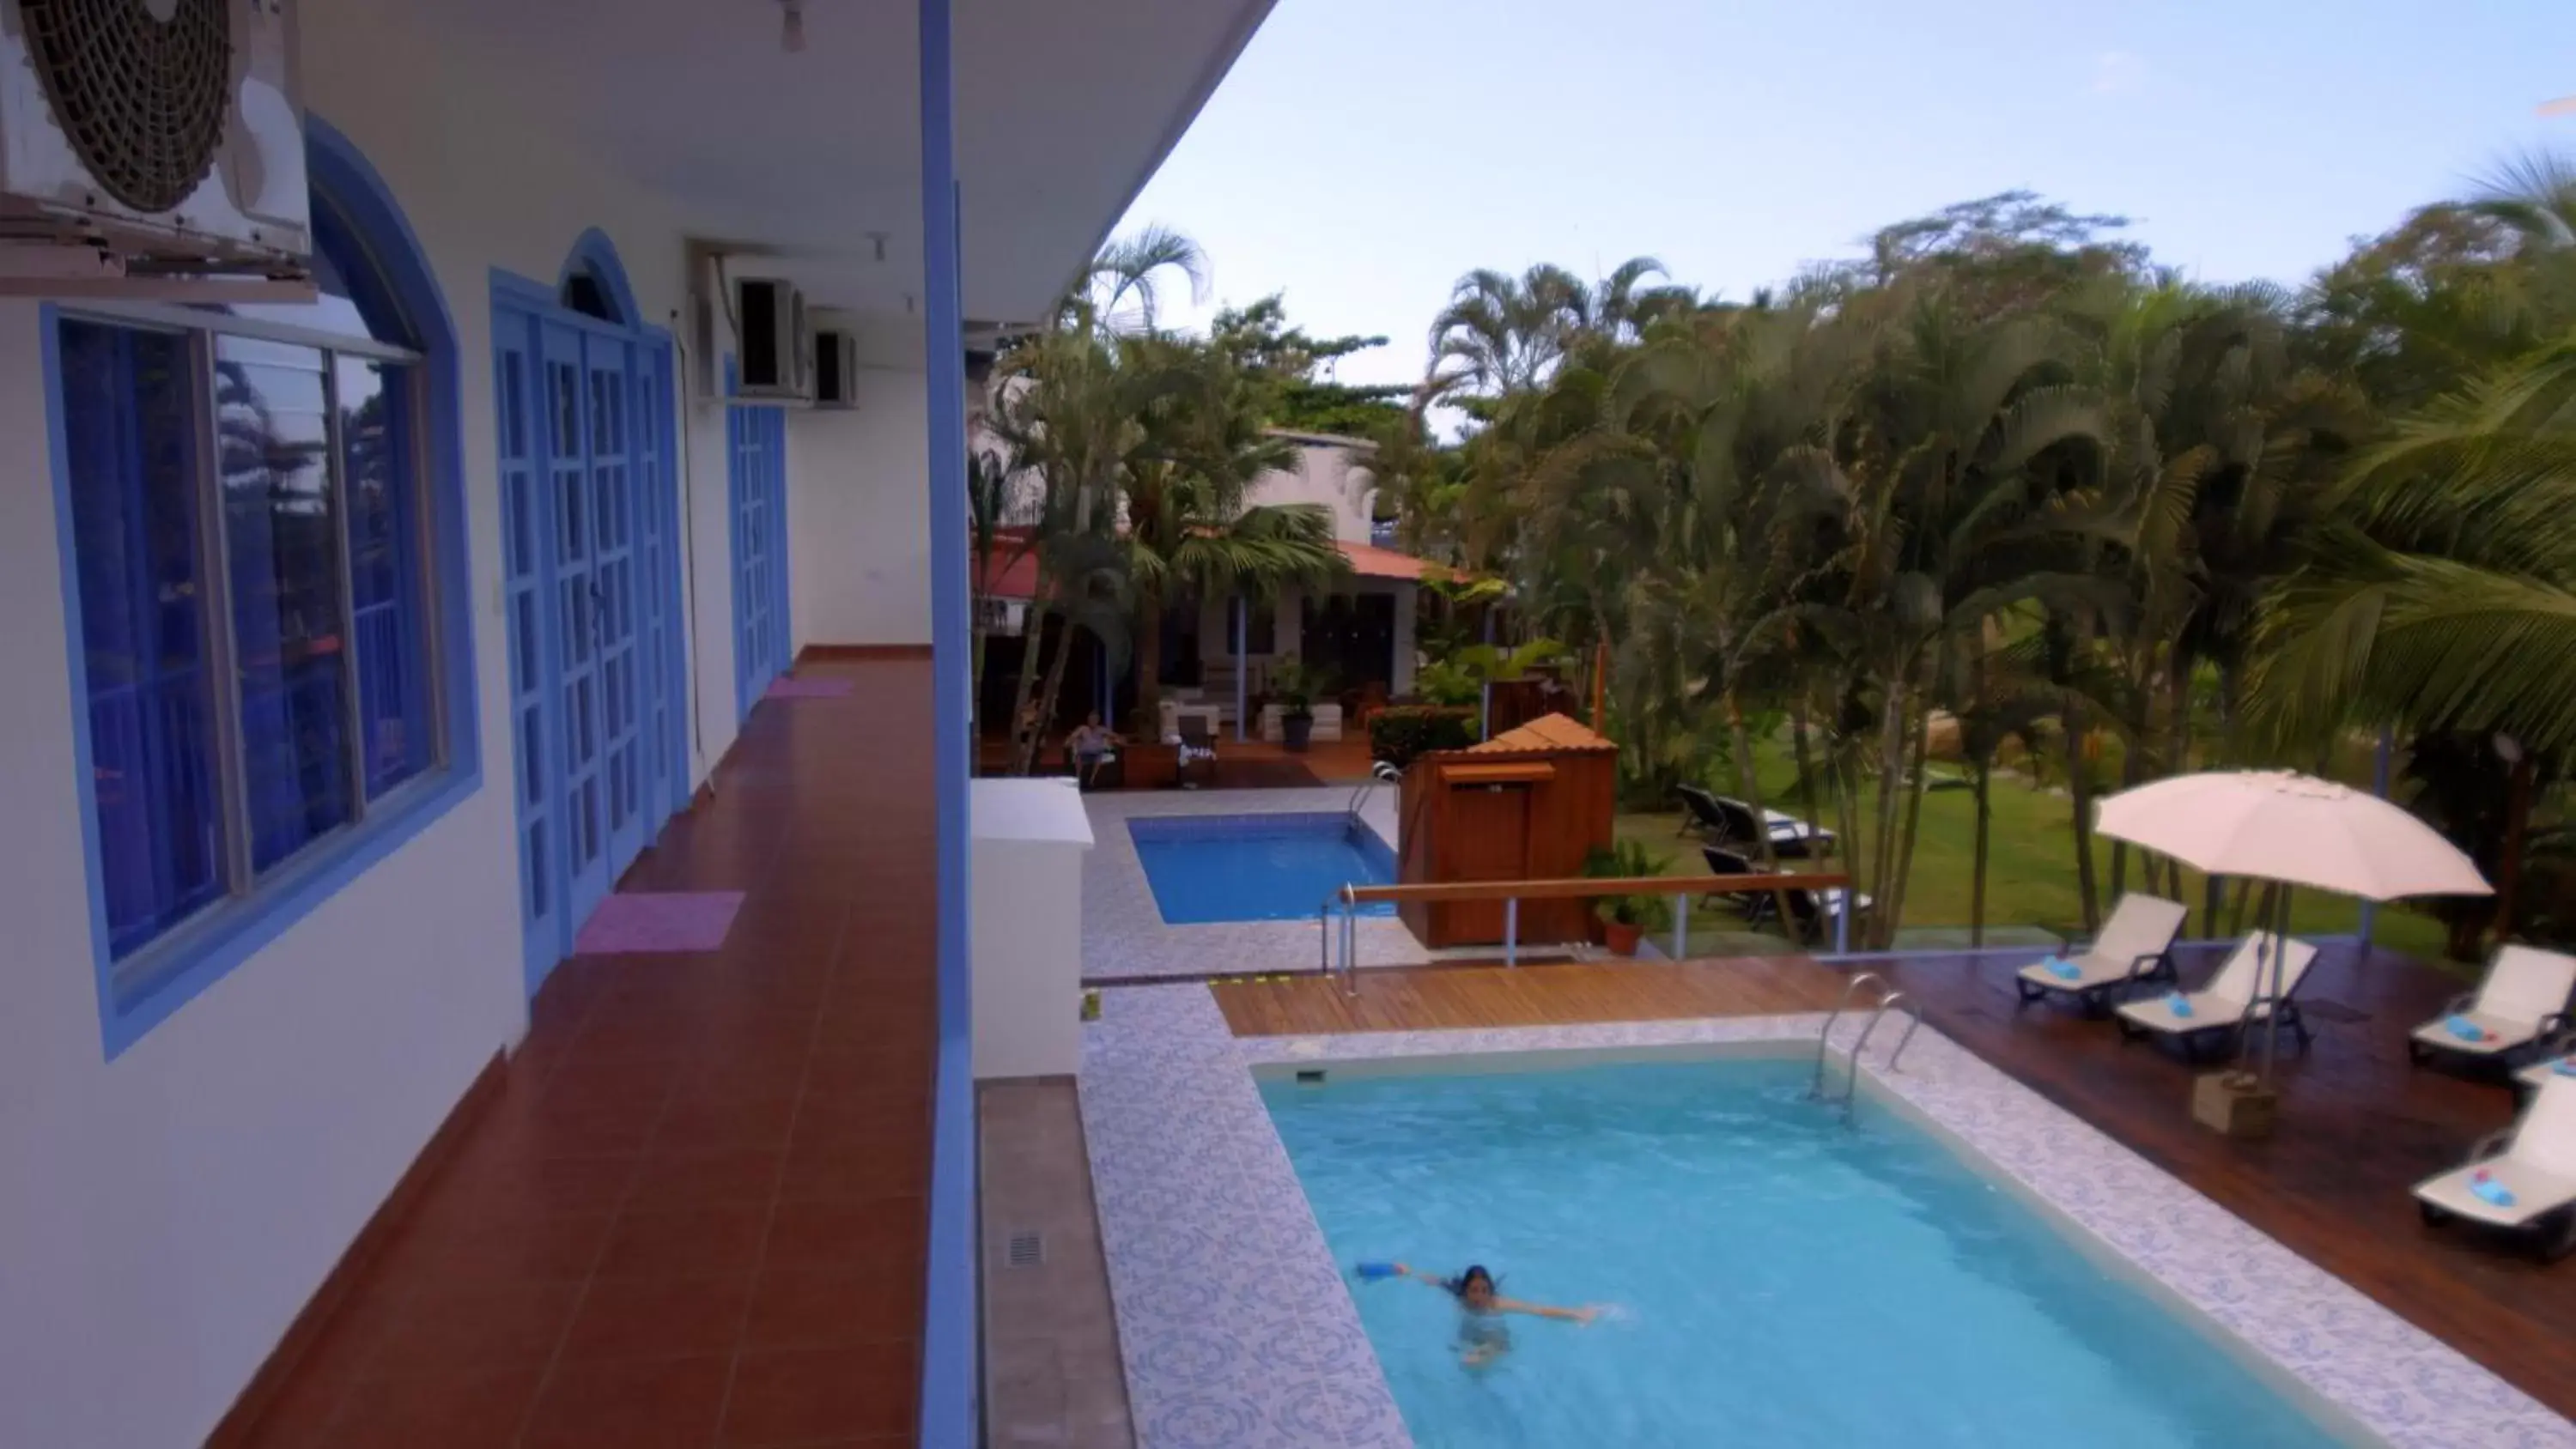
1026,1250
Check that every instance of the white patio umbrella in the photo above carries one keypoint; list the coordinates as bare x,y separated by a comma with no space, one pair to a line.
2278,825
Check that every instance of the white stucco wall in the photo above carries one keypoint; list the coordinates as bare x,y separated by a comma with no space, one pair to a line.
1331,474
165,1215
858,512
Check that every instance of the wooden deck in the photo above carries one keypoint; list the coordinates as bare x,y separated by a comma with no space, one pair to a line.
2359,1125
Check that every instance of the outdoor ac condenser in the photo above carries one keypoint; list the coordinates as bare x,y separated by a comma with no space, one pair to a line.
152,149
836,368
773,342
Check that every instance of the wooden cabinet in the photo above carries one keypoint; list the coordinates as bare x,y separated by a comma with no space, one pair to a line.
1529,804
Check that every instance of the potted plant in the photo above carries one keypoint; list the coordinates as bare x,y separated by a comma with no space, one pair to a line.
1626,919
1293,689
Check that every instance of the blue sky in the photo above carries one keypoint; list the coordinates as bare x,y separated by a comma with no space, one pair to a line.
1364,153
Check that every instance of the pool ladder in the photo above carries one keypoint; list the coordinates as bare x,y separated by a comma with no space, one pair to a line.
1888,1000
1380,773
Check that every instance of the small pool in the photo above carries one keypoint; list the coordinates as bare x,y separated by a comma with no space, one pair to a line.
1256,867
1780,1280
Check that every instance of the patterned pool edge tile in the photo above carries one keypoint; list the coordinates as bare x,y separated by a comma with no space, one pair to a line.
1124,935
2394,1379
1233,1320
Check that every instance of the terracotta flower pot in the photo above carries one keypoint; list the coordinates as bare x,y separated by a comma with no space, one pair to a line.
1622,937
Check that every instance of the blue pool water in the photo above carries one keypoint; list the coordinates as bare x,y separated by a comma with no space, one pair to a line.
1256,867
1780,1280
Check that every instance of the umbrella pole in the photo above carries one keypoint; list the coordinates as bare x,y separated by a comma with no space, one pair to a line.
2272,1010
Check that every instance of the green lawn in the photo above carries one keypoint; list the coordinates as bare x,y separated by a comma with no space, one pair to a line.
2030,876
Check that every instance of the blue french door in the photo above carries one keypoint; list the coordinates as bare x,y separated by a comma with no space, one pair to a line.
756,478
592,582
581,611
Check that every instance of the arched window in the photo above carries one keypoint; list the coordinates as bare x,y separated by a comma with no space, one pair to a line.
255,544
594,283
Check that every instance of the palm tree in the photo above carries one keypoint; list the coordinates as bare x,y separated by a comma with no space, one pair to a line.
1068,407
2441,591
1502,334
1188,525
2440,598
1121,292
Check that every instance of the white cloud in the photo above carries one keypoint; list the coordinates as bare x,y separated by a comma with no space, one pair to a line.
2119,73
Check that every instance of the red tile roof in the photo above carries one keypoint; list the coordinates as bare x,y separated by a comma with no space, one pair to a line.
1546,734
1372,562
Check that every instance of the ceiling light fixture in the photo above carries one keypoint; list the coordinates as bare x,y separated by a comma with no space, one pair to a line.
791,33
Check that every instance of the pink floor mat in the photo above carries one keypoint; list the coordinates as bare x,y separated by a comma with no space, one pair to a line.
658,921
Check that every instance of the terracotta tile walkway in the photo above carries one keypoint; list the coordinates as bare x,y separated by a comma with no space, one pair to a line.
694,1216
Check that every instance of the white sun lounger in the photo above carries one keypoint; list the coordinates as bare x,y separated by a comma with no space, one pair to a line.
2532,1078
2229,1000
2135,944
2523,1000
2534,1160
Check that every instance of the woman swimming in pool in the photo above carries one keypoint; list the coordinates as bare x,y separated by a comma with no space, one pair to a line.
1482,1335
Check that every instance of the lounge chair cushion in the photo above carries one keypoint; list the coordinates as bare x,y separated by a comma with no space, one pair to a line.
2139,926
2495,1034
2534,1192
2229,994
2527,983
2524,987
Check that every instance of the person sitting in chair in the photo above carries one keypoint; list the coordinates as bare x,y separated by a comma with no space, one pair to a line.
1091,745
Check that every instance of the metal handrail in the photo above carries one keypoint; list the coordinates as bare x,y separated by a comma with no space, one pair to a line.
1887,1003
1682,888
1582,887
1816,1085
1379,774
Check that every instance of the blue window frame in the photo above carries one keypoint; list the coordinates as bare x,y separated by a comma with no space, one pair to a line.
262,538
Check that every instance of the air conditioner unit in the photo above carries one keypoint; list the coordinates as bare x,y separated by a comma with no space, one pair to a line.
152,147
836,368
773,343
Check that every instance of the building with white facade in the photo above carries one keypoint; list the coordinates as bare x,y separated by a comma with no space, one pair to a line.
360,646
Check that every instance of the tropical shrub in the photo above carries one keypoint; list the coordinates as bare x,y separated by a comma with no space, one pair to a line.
1403,733
1629,859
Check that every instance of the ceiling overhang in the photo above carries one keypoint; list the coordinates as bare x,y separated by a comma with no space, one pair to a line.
807,162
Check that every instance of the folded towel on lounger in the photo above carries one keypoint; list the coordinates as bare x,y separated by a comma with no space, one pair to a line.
2463,1028
2487,1190
2063,970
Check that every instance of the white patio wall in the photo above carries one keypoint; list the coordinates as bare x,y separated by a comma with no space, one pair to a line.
858,505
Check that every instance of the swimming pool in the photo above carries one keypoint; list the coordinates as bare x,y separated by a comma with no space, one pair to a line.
1781,1280
1276,867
